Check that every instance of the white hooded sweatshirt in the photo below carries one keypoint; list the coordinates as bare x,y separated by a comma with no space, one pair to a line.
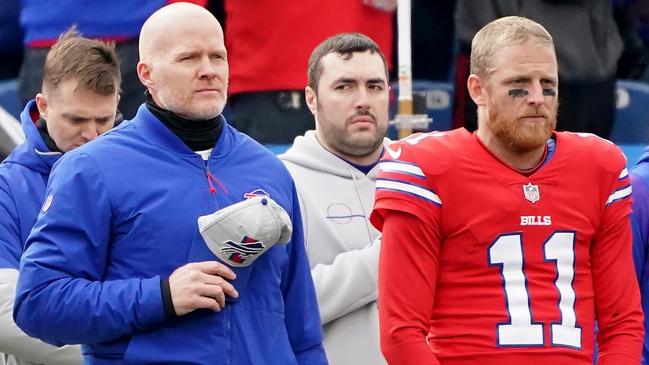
343,248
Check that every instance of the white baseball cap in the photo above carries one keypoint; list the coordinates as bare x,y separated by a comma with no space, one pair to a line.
242,232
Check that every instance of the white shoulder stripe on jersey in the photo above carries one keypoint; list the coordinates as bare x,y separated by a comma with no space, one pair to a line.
623,174
382,184
403,167
619,194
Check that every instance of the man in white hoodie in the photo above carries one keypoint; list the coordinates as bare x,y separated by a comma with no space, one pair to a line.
335,168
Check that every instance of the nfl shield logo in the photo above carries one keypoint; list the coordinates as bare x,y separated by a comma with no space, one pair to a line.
531,192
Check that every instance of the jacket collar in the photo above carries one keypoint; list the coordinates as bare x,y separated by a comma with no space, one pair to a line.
33,153
159,134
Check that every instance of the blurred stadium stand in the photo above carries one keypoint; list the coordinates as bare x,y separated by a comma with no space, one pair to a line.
9,100
429,97
632,113
11,133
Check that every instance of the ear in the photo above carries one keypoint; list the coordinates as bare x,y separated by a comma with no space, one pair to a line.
41,104
475,85
311,100
144,74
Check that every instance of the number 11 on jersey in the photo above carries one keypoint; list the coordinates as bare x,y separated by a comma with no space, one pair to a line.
507,252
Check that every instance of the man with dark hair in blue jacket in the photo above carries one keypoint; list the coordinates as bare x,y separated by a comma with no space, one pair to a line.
173,238
78,102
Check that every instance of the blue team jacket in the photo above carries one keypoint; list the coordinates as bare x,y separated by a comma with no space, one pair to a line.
23,177
640,226
120,215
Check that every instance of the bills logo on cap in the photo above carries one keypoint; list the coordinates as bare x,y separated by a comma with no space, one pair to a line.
239,252
48,203
256,192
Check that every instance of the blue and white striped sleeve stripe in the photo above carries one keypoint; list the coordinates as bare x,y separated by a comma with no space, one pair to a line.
623,174
401,167
409,189
619,194
623,191
407,178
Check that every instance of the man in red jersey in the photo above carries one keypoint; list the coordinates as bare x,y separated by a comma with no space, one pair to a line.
504,246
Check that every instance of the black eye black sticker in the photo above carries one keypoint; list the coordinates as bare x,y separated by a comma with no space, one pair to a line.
518,93
549,92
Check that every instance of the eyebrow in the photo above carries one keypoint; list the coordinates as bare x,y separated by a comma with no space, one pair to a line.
346,80
218,52
79,117
518,78
185,54
376,81
527,79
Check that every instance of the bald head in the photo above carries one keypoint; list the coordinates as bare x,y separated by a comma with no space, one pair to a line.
155,34
183,61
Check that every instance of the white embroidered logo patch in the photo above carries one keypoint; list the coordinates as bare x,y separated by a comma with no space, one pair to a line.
48,203
394,154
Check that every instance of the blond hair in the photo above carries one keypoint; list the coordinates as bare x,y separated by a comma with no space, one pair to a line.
504,32
94,63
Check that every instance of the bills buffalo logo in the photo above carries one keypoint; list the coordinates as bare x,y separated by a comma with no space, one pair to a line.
239,252
256,192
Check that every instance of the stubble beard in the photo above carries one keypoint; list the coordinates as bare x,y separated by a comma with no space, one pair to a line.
183,105
521,136
351,144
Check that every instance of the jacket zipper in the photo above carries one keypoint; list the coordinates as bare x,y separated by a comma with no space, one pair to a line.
211,180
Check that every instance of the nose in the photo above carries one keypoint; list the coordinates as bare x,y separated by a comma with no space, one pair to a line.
362,99
90,131
535,96
207,69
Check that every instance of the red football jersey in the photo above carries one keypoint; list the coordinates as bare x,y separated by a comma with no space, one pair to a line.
490,266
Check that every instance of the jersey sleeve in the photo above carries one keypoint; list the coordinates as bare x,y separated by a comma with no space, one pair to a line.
408,266
407,210
617,298
403,184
